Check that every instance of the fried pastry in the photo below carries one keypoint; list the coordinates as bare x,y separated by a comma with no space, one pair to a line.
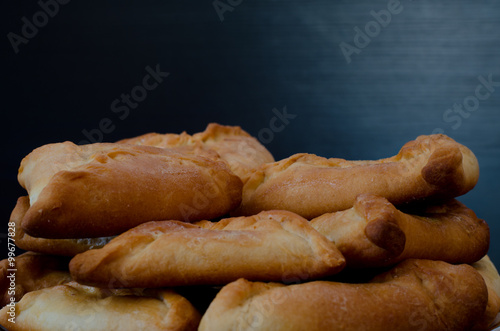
65,247
77,307
241,151
270,246
374,233
433,166
491,277
104,189
414,295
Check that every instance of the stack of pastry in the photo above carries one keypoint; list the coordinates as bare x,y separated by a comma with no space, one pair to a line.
208,232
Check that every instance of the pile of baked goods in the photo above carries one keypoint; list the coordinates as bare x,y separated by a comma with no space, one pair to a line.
209,232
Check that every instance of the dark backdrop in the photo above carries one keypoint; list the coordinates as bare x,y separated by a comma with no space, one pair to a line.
237,62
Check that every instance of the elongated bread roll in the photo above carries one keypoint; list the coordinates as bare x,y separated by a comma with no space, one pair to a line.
241,151
65,247
374,233
77,307
432,166
101,190
273,246
415,295
491,277
30,272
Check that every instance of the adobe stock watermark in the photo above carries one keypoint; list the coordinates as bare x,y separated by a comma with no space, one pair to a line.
470,103
202,197
425,317
276,124
11,272
122,105
372,29
223,6
261,311
266,135
48,9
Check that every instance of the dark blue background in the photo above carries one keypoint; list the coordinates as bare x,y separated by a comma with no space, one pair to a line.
263,55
